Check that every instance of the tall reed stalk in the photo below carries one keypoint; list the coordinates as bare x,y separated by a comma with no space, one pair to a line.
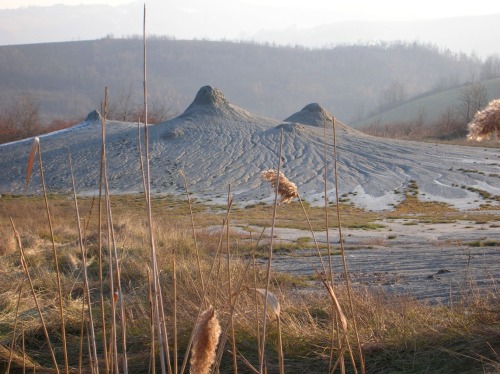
342,252
104,111
114,269
193,228
269,261
84,268
229,285
36,148
158,306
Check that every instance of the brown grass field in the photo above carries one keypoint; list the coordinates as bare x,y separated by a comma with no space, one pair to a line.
214,266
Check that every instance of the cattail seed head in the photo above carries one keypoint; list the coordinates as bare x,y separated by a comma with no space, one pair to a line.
206,338
286,189
486,122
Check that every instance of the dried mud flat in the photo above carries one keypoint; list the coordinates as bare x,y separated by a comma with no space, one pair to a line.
436,263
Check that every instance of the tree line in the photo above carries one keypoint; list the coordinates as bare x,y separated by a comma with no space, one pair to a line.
22,119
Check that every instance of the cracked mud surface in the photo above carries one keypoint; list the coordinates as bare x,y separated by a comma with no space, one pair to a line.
437,263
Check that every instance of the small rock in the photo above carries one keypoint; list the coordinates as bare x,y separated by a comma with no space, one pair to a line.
443,271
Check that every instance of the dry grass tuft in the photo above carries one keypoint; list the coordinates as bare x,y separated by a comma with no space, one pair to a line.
272,300
486,122
206,337
286,189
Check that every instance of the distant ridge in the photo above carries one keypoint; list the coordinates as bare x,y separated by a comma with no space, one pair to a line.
66,78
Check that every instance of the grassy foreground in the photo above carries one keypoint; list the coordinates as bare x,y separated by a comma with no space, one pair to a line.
202,263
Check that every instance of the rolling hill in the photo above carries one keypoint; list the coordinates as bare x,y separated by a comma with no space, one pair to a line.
64,79
431,105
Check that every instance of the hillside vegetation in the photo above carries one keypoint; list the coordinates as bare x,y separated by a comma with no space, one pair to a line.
442,115
66,80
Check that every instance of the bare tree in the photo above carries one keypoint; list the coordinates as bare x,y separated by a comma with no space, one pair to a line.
472,98
491,67
20,120
392,95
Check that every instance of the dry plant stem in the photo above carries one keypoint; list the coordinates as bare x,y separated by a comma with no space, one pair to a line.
141,161
280,346
328,245
42,321
163,332
113,351
193,228
223,338
15,328
82,329
327,223
163,325
113,253
163,335
84,267
123,321
91,364
230,291
247,363
342,253
154,265
152,326
174,281
256,296
200,308
268,269
112,257
313,235
23,347
256,303
218,256
99,238
54,252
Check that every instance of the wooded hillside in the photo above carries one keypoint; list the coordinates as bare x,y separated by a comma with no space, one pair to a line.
67,80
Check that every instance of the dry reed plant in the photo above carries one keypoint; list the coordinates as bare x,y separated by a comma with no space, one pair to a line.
205,340
273,302
286,189
36,148
486,122
344,265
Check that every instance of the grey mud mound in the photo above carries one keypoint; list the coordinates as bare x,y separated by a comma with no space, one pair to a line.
315,115
218,144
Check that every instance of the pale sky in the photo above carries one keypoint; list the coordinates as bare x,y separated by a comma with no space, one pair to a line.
224,19
351,10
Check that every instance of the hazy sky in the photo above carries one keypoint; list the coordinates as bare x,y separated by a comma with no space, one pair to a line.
305,11
225,19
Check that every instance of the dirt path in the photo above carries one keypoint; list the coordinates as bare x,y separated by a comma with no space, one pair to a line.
438,263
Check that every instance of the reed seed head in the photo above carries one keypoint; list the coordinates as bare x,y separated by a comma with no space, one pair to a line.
486,122
34,148
272,300
206,338
286,189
